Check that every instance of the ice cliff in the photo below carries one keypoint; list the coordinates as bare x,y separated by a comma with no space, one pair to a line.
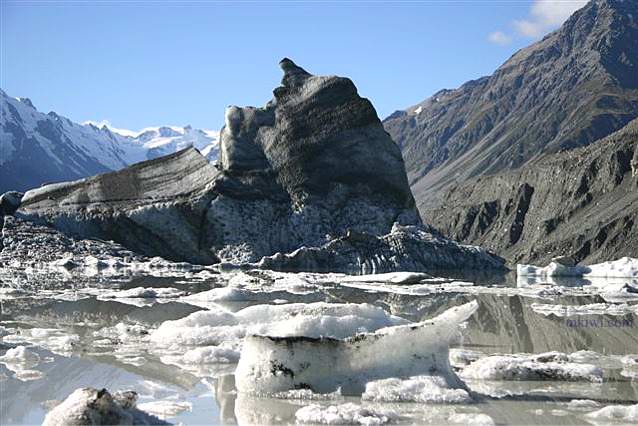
312,170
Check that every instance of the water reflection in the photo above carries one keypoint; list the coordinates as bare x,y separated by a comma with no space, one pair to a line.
506,322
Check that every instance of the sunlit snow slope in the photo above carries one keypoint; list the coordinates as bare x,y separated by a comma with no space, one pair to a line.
38,148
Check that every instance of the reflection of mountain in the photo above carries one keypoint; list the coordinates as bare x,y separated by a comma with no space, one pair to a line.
508,324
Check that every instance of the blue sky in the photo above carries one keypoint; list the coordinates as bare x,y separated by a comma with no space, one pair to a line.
138,64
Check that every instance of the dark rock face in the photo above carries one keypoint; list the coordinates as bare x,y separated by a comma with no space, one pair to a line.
311,166
155,207
575,86
582,203
407,248
9,202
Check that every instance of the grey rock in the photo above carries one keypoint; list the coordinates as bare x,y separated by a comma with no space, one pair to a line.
564,260
575,86
33,244
9,202
311,166
89,406
405,248
581,203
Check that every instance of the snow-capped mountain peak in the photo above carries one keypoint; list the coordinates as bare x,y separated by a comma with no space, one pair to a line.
37,148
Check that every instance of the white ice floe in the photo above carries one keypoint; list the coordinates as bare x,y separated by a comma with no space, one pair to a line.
427,389
53,339
618,413
272,363
144,293
343,414
473,419
165,409
390,277
204,355
88,406
461,358
587,309
20,354
21,361
551,366
625,267
582,404
212,327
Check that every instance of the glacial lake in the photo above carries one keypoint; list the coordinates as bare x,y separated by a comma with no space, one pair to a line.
71,322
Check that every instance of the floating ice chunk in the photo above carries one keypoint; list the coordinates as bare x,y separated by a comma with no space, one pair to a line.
625,267
428,389
53,339
621,413
21,361
204,355
588,309
390,277
460,358
271,364
88,406
217,325
144,293
225,294
343,414
474,419
582,404
20,354
551,366
165,409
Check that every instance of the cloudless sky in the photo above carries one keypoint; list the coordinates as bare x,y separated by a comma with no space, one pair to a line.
138,64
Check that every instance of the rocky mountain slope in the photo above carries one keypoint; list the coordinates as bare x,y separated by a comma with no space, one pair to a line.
577,85
37,148
312,167
582,202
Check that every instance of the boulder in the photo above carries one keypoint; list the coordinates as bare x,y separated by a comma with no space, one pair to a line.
9,202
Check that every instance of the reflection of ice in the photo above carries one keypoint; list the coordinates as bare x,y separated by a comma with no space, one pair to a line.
21,362
165,409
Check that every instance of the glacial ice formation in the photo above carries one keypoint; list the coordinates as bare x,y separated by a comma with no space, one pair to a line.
215,326
422,389
550,366
344,414
625,267
615,413
272,363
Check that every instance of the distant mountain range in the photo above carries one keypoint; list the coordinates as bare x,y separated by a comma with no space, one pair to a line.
575,86
38,148
520,161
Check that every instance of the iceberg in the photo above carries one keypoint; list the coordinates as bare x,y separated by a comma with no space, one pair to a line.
273,363
625,267
88,406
